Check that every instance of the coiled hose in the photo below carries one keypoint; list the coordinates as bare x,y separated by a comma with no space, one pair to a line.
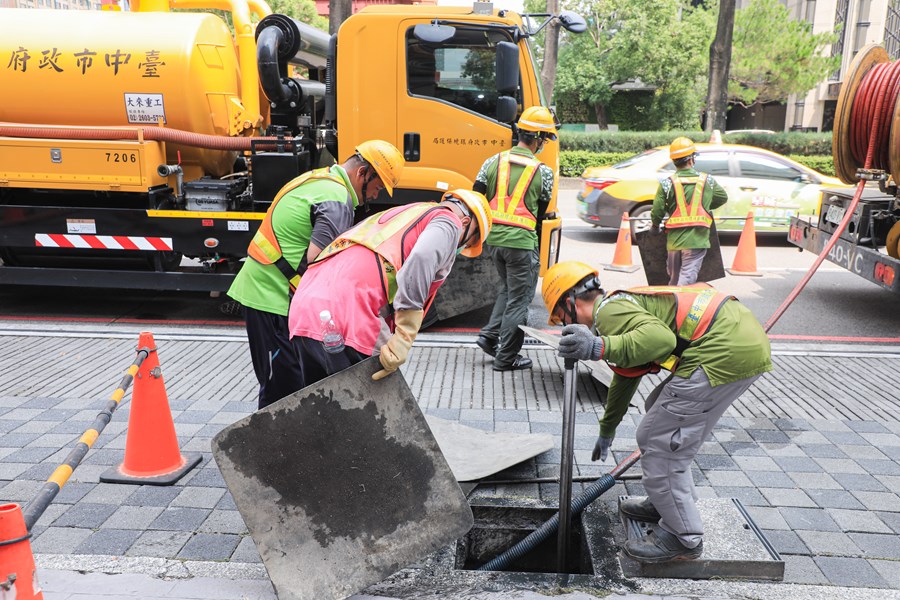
870,124
594,491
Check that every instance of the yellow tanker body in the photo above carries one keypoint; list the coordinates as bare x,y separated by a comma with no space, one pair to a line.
107,69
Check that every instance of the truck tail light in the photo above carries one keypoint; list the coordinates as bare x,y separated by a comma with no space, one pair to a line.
884,273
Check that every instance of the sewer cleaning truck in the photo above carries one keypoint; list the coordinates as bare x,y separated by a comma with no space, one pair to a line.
140,149
869,245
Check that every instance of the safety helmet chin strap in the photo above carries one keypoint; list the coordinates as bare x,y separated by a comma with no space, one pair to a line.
568,308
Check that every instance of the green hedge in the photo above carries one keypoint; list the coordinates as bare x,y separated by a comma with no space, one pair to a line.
573,162
803,144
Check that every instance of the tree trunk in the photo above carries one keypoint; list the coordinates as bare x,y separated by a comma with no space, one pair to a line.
600,109
719,64
338,12
551,51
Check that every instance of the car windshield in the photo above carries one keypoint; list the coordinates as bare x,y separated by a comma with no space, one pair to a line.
637,157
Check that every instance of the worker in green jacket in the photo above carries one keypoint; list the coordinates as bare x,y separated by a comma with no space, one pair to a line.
688,197
715,349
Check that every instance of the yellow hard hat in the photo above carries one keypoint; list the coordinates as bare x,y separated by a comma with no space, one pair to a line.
538,119
681,147
559,279
480,210
387,161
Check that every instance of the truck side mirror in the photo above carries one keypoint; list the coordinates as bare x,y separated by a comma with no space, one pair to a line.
507,107
507,68
572,21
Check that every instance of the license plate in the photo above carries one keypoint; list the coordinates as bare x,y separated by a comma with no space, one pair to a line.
835,214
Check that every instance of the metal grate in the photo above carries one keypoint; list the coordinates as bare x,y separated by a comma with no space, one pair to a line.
892,30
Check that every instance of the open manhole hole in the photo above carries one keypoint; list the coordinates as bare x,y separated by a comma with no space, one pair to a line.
497,528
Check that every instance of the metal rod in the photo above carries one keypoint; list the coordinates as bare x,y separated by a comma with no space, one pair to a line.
565,464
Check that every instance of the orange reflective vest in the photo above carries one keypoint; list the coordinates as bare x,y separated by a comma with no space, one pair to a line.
509,208
264,247
385,234
696,307
693,214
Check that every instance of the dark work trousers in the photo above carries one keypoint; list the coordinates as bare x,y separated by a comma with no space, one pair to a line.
318,364
518,270
275,359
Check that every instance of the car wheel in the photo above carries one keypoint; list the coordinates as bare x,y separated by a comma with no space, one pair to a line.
641,212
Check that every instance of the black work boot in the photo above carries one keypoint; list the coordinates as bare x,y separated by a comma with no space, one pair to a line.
520,362
661,546
488,345
639,509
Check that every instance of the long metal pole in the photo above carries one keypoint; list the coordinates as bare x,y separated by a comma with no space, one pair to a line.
565,465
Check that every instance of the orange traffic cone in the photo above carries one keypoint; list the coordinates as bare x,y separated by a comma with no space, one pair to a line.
622,257
17,572
152,456
745,257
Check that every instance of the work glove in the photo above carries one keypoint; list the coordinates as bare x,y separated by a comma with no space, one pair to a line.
601,448
579,343
394,352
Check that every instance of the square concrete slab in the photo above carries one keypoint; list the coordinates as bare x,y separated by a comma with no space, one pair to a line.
474,453
341,484
733,547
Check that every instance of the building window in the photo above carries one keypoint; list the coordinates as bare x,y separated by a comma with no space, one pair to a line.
840,21
798,113
892,30
862,25
810,14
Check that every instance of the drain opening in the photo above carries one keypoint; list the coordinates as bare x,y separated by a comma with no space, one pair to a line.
498,528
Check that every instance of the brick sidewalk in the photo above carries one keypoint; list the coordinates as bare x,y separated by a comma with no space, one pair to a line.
814,462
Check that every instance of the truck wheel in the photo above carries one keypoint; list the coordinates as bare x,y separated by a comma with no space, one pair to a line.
7,256
164,261
892,243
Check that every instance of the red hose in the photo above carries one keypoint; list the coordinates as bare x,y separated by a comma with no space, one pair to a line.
869,129
162,134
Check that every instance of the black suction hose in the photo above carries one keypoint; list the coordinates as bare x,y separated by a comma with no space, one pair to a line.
594,491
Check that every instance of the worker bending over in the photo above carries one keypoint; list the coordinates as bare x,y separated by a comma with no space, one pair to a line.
715,349
378,279
305,216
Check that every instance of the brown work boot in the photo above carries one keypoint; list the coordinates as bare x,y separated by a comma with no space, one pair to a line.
660,546
639,509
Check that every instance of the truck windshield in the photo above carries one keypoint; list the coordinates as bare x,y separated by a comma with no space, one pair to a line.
460,71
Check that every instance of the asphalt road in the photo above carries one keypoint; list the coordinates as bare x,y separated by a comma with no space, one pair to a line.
835,305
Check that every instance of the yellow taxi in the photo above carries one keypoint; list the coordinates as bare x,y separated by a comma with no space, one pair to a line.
774,187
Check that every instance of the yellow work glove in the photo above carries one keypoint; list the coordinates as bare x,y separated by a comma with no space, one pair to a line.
394,352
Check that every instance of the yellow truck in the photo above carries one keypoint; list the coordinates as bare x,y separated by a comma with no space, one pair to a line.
141,149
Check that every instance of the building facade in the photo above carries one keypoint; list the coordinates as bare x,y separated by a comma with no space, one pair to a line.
859,22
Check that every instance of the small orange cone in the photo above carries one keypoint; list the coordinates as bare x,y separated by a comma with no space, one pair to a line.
622,257
152,456
745,257
17,572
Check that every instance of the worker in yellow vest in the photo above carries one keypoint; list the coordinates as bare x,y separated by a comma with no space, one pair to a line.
307,214
714,348
688,197
519,187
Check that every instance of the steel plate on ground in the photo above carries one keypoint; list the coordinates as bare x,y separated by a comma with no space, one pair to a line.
733,547
599,369
341,484
475,453
653,256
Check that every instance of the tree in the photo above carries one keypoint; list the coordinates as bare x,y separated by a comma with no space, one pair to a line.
302,10
551,51
776,56
660,43
338,12
719,65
